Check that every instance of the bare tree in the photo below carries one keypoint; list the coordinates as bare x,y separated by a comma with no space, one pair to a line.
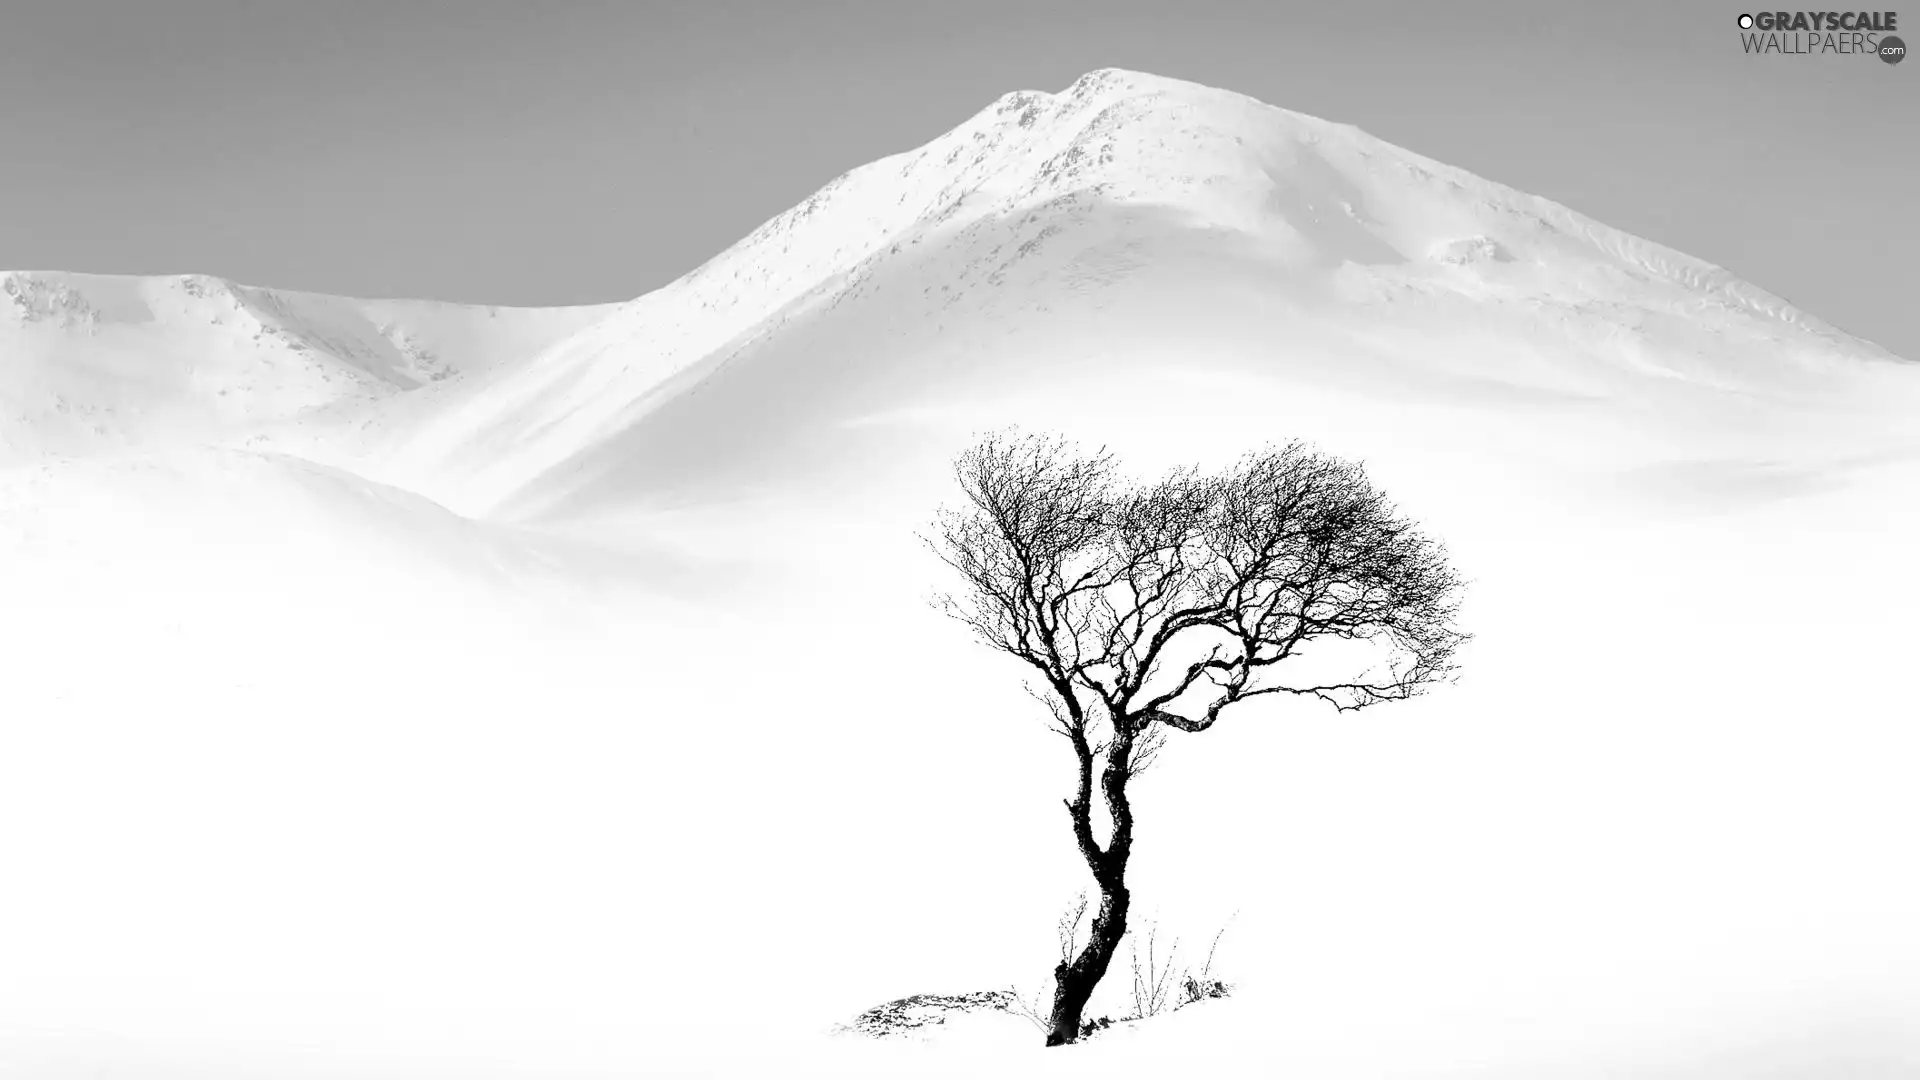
1144,609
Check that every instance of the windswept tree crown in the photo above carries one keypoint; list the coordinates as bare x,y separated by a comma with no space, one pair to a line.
1165,602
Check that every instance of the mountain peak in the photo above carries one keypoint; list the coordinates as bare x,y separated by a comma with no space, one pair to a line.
1125,221
1311,194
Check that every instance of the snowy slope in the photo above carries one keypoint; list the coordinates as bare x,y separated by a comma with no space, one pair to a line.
91,361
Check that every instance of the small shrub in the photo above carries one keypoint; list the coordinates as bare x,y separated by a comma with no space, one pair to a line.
1196,988
1088,1027
1034,1011
1201,986
1159,985
1153,980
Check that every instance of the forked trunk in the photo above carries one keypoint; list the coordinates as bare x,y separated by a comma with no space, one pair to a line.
1073,982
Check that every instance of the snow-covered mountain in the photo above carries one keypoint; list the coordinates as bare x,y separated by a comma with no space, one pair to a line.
1131,226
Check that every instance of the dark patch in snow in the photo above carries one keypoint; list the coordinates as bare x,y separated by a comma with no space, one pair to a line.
911,1015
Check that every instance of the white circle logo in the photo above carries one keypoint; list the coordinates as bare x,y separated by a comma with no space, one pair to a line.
1746,22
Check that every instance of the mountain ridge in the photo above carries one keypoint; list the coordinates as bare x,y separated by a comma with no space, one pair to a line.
1295,247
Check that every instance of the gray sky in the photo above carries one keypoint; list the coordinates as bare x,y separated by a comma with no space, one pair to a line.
552,152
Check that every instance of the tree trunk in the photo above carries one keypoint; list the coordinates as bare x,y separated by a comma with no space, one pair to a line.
1073,983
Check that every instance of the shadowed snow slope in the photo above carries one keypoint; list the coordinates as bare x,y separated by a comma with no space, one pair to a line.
414,690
